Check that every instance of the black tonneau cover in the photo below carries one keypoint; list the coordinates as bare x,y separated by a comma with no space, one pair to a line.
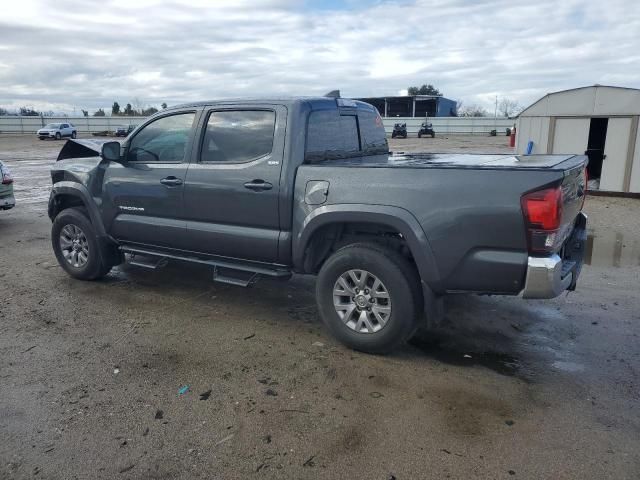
463,160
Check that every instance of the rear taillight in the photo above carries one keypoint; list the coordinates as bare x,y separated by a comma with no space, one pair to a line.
542,212
7,179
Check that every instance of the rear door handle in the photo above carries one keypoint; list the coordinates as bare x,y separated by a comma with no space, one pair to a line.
258,185
171,181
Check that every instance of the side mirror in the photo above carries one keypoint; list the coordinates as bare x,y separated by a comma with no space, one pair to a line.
111,151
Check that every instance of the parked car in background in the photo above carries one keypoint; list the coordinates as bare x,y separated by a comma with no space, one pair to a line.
399,130
57,131
7,200
426,129
124,130
271,187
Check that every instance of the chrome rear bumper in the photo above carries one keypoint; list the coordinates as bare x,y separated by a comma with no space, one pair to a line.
548,277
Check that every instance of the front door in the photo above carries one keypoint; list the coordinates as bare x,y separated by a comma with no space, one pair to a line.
144,194
233,183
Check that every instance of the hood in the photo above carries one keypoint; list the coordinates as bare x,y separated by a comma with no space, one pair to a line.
81,148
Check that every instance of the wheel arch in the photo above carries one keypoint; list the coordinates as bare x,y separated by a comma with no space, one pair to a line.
394,218
69,194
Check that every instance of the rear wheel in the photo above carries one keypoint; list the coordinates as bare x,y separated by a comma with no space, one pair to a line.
41,138
74,134
419,135
369,297
76,247
433,135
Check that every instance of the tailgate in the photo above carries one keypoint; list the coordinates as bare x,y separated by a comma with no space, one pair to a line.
574,190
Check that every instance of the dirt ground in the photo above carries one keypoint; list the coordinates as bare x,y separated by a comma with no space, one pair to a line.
93,374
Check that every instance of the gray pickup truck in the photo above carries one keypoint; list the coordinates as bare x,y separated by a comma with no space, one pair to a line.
307,185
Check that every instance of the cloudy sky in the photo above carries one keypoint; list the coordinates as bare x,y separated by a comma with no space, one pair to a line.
66,54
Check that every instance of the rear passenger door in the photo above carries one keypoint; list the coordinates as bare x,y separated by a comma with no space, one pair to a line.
232,186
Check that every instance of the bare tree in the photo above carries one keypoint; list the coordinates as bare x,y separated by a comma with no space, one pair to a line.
473,111
508,107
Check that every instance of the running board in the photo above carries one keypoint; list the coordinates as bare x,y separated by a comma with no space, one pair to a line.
225,270
153,263
234,277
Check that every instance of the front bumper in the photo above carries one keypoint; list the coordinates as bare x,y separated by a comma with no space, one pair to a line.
548,277
46,134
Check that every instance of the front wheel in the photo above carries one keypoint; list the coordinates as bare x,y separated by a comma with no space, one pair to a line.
58,136
419,135
369,297
76,247
433,135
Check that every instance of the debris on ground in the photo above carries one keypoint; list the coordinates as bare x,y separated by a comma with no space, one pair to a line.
317,344
509,422
116,371
376,395
183,390
205,395
159,415
310,462
250,336
225,439
126,469
271,392
466,355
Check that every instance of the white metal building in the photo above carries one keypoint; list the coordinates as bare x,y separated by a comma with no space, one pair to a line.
599,121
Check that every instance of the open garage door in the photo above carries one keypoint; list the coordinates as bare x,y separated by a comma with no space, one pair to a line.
616,149
571,135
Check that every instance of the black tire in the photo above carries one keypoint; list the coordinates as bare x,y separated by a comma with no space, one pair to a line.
74,134
41,138
94,267
433,135
58,136
401,281
419,135
393,135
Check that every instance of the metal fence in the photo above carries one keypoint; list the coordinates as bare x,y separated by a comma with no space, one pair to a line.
442,125
29,125
454,125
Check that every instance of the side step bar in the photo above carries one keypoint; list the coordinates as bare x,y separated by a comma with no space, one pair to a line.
224,270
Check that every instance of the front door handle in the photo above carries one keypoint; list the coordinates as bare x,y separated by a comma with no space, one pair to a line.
171,181
258,185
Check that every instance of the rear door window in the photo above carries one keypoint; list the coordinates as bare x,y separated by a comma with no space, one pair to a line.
236,136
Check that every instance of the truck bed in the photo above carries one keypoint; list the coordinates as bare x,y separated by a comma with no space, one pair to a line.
468,206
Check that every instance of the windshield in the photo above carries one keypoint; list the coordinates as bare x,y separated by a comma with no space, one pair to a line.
52,125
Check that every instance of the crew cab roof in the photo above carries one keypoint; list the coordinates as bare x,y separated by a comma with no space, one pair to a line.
315,103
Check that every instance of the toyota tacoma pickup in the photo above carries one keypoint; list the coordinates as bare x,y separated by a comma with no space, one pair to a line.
267,188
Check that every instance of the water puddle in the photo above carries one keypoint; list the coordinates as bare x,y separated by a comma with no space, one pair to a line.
501,363
611,249
569,367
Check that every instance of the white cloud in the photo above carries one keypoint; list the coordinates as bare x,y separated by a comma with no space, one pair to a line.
88,54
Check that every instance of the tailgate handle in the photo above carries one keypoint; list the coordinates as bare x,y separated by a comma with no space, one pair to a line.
258,185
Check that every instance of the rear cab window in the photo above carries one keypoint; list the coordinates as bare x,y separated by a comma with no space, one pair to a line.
340,133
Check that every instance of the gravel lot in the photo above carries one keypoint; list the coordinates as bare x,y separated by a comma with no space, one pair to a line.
90,372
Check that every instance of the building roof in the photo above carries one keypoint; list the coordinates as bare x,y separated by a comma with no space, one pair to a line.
587,101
